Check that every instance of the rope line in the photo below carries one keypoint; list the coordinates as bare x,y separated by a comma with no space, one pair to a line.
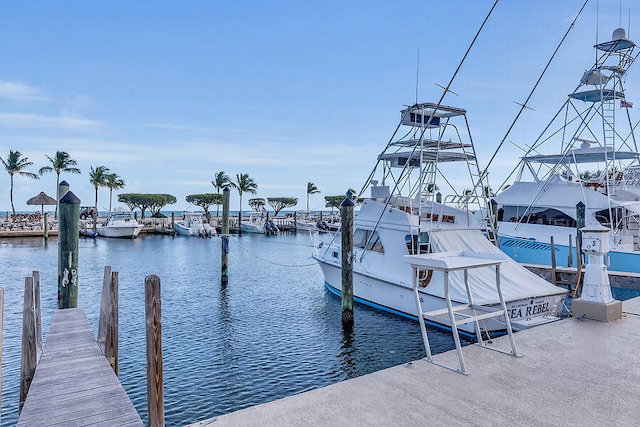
281,265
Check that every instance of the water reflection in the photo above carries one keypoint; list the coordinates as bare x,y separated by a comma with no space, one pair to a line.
272,331
347,361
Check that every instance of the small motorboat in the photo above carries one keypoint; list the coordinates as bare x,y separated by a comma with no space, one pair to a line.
120,224
192,225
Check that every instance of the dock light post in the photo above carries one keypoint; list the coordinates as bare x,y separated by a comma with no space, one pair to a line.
595,300
68,235
224,238
346,213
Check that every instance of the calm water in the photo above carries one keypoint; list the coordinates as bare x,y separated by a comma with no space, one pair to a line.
272,331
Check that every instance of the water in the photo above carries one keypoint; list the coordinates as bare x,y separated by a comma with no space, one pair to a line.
273,331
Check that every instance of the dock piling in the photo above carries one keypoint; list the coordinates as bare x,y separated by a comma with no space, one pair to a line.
224,261
1,339
29,357
155,382
108,324
68,235
346,213
37,312
45,226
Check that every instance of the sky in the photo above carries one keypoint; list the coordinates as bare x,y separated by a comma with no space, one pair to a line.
166,94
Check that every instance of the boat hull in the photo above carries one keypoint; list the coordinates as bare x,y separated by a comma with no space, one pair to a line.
128,232
531,251
399,299
251,228
200,231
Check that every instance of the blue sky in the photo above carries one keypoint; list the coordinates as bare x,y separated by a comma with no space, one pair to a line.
166,94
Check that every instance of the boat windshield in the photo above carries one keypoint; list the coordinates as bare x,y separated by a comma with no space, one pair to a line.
121,216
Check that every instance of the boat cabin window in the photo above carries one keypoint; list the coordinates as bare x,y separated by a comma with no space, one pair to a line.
604,218
367,238
417,245
537,215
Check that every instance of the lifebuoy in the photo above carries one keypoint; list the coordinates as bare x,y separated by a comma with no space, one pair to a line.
424,281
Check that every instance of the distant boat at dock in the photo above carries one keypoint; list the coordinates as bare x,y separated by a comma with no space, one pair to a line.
121,224
192,225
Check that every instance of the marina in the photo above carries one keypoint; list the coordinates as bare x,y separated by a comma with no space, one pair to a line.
272,332
559,367
379,315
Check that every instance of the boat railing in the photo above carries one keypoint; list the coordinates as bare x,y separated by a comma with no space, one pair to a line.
463,201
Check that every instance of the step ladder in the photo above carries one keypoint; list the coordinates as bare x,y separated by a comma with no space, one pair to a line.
448,262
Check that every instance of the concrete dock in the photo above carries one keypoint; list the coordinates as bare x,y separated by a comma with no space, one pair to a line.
572,372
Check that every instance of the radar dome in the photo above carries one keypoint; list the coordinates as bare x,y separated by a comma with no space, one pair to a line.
619,34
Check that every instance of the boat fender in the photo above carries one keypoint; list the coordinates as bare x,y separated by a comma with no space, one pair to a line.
426,279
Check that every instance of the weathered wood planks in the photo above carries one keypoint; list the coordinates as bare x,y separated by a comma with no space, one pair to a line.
73,383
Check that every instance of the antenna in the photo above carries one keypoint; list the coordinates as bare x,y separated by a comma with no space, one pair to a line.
597,20
417,73
620,12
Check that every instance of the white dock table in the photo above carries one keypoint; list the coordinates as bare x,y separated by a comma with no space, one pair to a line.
463,313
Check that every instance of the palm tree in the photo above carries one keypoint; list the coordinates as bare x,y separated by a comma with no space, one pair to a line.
113,182
15,164
244,184
219,182
61,162
311,189
98,178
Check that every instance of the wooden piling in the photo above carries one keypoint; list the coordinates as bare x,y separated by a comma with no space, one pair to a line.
111,343
68,236
553,261
224,257
94,217
45,226
108,324
1,342
63,188
104,307
570,258
37,304
29,359
493,217
155,382
346,213
580,223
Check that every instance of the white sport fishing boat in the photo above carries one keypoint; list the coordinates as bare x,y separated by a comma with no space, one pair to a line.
120,224
585,155
391,225
192,225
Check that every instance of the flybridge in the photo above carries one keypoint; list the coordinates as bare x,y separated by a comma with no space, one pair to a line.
428,114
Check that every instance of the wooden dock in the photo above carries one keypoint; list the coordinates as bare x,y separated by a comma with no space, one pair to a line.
74,384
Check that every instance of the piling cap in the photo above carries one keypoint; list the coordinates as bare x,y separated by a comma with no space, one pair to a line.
63,183
226,188
348,201
70,198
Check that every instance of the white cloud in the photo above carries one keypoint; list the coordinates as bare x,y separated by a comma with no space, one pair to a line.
20,92
18,120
